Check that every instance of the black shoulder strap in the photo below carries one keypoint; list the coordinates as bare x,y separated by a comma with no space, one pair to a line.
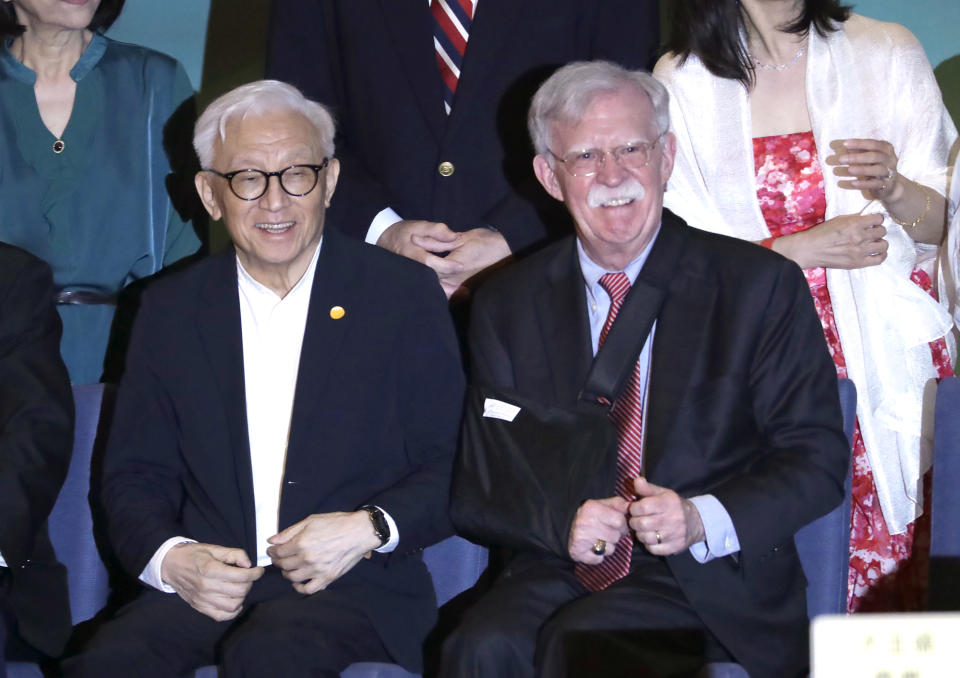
616,358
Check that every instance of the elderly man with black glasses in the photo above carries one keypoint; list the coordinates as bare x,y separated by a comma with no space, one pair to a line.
282,443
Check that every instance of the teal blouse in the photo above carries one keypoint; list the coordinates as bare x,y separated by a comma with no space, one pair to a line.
98,212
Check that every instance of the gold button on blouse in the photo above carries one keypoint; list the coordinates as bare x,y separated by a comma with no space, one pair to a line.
446,168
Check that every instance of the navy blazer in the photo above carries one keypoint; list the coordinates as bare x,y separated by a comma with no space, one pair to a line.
36,440
375,420
373,62
742,404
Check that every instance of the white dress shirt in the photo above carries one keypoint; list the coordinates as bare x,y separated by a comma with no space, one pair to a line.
721,536
272,329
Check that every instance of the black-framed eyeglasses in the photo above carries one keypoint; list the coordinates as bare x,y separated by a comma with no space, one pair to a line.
587,162
251,184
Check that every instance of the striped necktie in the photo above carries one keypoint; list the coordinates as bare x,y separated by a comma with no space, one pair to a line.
627,416
451,30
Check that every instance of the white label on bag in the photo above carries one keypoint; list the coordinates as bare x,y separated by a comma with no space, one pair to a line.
497,409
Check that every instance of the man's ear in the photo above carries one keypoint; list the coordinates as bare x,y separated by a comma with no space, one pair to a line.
332,174
547,177
668,156
203,182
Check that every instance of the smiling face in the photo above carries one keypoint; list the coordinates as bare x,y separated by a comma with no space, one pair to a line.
63,14
617,210
276,235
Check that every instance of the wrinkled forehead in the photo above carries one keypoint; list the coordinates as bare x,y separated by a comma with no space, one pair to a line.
615,116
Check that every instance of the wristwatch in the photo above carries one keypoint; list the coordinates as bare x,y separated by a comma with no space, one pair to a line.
380,526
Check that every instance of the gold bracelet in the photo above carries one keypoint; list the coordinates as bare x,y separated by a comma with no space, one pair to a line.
926,208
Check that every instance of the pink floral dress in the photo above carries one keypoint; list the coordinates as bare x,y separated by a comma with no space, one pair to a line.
887,572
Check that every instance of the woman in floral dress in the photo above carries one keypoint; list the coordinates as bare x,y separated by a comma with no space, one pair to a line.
822,135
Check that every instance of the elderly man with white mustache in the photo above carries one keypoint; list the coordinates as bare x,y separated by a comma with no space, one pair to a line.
729,425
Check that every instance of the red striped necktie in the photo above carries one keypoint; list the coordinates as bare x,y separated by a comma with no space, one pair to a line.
451,30
627,416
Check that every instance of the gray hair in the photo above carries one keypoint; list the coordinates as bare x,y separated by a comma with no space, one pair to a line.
257,98
566,95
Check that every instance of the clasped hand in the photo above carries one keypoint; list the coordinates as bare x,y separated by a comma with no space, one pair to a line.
465,254
657,511
851,240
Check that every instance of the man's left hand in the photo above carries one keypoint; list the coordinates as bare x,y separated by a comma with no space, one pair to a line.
476,250
321,548
662,520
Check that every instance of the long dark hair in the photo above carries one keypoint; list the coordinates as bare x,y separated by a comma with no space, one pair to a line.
103,18
711,29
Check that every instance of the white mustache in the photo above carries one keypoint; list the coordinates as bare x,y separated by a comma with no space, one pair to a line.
630,189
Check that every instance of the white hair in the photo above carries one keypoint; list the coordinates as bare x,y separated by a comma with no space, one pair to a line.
258,98
565,96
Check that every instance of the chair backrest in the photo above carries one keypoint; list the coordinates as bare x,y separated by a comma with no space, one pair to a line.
455,564
944,594
824,544
71,523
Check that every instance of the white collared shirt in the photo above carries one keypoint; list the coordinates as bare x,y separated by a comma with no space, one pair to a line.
272,330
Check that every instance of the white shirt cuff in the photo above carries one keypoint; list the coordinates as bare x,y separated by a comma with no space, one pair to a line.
384,220
3,563
152,573
394,534
721,535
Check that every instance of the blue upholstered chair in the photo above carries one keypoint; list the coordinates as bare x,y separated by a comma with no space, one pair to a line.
944,592
71,524
824,548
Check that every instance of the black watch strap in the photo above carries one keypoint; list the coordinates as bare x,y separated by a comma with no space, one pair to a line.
380,525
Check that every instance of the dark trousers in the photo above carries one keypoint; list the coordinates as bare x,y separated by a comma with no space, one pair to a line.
279,633
538,620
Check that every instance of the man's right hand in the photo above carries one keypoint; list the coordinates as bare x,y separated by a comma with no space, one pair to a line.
214,580
597,519
398,238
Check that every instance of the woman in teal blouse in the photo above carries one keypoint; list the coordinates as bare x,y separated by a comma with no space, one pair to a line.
82,162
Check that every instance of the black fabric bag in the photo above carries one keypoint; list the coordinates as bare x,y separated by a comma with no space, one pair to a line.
518,483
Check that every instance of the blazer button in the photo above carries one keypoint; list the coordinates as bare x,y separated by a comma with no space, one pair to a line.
446,168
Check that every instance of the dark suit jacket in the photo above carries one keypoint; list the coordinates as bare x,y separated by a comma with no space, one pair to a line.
743,404
375,419
373,62
36,439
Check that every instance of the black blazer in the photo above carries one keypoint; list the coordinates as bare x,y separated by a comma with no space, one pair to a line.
375,420
743,404
373,62
36,440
